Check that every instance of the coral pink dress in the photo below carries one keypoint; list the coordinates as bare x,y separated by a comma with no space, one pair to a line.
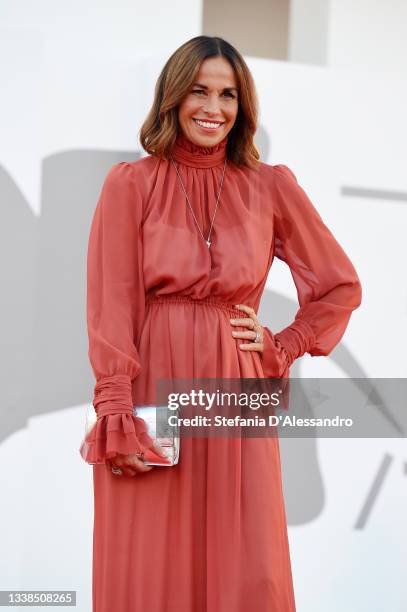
209,534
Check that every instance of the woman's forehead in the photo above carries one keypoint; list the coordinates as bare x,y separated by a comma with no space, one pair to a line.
216,68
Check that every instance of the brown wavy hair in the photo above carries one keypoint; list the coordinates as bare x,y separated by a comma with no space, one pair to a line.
161,127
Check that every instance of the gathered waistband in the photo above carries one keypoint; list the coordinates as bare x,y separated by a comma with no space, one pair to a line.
204,301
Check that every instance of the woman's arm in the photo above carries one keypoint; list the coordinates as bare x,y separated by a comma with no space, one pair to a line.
327,284
115,312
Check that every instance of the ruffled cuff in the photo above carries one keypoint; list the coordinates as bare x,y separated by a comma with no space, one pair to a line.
274,356
297,339
117,430
280,351
115,434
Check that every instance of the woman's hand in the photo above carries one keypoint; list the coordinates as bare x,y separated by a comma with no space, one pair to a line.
131,465
253,326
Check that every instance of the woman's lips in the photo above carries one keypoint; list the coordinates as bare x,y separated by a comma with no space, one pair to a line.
208,129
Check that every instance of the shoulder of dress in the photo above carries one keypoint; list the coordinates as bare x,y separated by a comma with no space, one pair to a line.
278,176
134,168
124,188
118,174
282,171
135,173
274,169
143,163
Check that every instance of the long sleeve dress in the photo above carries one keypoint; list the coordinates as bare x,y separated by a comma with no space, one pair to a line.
208,534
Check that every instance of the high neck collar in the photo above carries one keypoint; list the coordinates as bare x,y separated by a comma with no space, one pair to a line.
188,153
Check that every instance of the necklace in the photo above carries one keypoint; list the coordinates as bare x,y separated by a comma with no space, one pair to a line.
207,240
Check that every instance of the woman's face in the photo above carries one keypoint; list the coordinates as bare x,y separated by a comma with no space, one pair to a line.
213,98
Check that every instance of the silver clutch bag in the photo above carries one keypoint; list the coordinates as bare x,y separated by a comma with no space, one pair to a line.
158,428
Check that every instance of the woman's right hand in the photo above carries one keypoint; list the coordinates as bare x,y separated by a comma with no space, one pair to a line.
131,465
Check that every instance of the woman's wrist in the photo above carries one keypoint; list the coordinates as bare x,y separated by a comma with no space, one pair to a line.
274,356
296,339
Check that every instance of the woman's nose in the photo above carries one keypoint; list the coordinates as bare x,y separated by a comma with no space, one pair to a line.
211,104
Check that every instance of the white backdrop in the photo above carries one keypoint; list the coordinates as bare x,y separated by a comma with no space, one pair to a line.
336,128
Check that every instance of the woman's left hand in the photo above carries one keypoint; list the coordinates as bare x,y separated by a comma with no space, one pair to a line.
253,326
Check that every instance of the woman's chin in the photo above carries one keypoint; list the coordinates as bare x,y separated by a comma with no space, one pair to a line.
204,138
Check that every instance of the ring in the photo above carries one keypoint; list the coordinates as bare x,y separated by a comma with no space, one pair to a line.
140,455
258,336
116,470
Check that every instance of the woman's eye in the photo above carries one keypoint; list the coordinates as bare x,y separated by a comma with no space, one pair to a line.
226,93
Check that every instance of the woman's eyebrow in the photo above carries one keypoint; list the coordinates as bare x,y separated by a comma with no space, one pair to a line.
205,87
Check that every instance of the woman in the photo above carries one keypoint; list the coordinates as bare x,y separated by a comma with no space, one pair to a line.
180,248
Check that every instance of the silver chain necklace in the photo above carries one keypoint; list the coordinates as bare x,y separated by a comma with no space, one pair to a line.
207,240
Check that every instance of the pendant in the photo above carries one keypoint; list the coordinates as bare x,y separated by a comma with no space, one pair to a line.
208,243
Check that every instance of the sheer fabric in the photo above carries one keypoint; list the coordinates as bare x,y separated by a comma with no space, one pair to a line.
209,534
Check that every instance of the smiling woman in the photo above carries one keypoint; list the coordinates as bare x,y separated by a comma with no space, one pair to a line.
205,80
180,248
209,111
